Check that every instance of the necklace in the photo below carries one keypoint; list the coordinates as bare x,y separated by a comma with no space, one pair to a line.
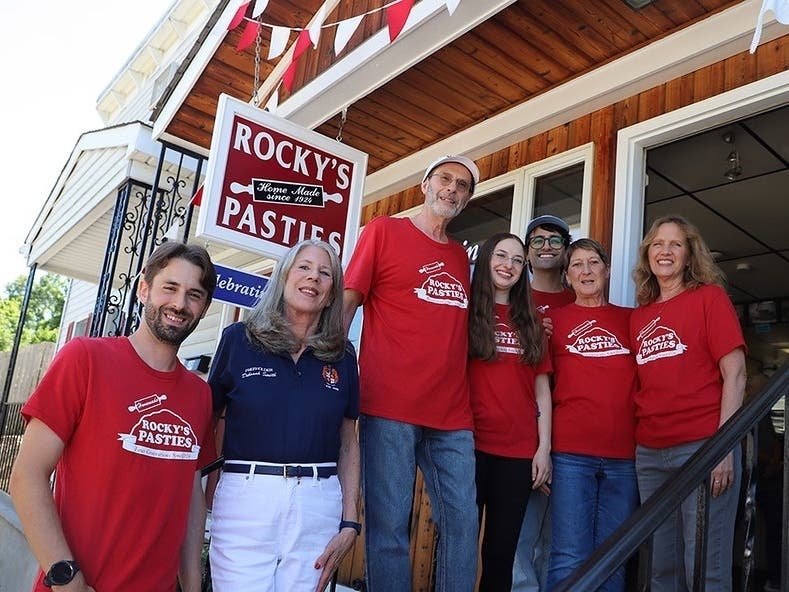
670,293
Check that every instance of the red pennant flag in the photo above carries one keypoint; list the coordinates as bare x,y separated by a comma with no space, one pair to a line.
302,43
197,198
289,76
248,36
396,16
238,17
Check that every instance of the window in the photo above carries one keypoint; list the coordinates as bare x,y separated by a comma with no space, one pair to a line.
482,218
559,185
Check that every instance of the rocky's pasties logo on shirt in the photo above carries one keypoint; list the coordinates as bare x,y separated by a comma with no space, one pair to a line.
507,341
657,341
441,287
162,434
592,341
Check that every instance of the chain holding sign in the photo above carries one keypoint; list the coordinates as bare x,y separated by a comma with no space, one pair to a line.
271,183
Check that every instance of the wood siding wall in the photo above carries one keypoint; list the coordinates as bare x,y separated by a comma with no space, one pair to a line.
600,127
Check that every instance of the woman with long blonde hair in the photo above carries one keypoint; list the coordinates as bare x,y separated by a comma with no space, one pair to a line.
690,354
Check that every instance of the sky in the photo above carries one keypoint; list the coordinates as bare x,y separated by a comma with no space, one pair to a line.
56,58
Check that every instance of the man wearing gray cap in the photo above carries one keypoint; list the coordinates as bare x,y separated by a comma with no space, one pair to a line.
547,238
414,284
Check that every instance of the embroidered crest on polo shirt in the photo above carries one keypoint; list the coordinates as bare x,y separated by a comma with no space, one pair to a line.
161,434
656,342
592,341
258,371
441,287
331,377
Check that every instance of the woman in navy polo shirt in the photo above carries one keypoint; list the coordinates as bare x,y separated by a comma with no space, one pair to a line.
287,381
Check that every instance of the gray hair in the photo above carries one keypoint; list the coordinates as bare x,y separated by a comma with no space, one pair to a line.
268,326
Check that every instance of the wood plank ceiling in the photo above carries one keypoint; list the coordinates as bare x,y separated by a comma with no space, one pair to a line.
526,49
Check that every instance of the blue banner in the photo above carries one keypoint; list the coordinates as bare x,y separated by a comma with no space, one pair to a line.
237,287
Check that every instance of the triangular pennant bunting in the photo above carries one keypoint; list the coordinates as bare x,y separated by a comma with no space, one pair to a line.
315,29
238,17
197,198
260,6
452,6
397,13
273,102
279,41
781,10
345,30
289,76
172,232
396,17
302,43
248,36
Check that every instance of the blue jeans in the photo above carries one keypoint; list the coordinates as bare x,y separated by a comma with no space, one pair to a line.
674,541
590,497
534,544
391,451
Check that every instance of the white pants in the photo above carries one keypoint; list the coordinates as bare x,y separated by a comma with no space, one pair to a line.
267,531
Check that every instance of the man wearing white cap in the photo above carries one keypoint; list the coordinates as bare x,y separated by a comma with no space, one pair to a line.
414,284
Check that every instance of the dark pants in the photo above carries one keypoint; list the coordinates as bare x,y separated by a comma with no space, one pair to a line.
503,488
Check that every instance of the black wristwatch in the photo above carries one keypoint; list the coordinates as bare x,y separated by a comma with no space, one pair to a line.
61,573
351,524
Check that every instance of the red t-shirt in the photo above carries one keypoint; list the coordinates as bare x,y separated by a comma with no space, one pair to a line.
678,344
134,438
543,301
412,356
502,395
594,381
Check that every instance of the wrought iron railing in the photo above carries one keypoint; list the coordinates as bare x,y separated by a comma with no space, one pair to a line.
692,477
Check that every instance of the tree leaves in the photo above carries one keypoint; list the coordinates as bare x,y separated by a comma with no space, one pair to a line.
43,314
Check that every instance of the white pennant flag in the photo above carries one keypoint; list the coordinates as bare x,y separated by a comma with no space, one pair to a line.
260,6
345,30
273,102
315,28
279,40
451,6
172,232
781,10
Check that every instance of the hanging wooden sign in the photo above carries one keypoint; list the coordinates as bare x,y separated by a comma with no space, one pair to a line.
271,183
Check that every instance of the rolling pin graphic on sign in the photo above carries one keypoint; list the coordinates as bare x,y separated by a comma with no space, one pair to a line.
290,195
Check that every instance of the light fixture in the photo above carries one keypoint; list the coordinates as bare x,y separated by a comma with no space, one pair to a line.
733,166
637,4
744,267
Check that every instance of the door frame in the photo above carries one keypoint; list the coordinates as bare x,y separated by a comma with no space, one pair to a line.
632,145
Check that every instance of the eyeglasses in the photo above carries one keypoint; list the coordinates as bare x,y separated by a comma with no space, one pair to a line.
538,242
502,257
446,179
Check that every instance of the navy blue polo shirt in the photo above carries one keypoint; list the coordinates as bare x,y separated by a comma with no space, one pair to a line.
277,410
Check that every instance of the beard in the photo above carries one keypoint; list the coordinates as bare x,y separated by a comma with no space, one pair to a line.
440,208
154,318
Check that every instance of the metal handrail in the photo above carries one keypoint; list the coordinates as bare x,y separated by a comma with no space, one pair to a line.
626,540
